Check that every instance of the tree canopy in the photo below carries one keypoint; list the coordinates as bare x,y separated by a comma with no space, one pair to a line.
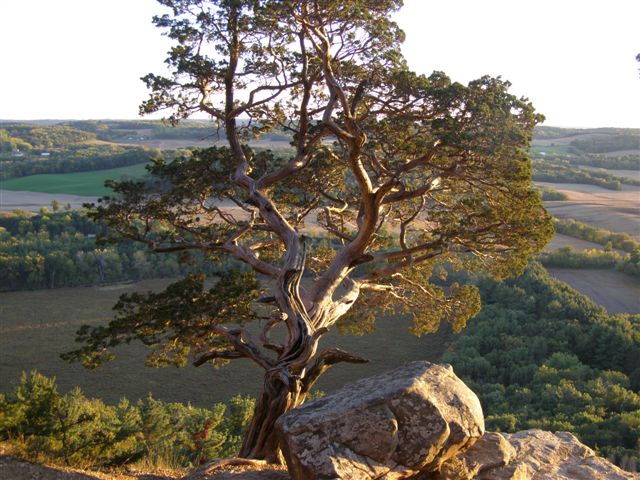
401,174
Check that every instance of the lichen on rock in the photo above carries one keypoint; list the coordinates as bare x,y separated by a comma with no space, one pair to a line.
392,425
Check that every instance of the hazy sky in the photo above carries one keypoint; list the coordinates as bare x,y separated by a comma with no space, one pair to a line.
575,59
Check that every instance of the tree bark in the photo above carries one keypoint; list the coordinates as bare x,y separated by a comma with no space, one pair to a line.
283,391
278,397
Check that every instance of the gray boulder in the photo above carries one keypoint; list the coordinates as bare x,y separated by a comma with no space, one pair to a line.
393,425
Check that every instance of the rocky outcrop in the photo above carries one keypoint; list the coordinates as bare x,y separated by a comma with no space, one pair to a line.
530,455
417,422
490,452
410,419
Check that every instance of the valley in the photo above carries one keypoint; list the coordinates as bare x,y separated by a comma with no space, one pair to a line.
38,326
613,210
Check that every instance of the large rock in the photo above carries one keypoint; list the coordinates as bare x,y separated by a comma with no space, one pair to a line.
489,453
530,455
389,426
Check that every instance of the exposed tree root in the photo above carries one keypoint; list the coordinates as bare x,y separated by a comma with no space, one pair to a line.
221,463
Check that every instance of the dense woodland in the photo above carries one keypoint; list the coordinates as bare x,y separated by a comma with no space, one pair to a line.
606,143
58,249
551,194
622,162
540,355
27,137
568,257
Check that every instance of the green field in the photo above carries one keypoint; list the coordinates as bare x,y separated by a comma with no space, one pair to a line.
559,149
81,183
37,326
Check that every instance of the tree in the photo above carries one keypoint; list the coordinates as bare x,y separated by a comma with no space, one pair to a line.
402,173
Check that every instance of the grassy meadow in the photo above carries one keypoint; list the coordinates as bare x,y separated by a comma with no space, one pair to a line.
617,292
39,325
80,183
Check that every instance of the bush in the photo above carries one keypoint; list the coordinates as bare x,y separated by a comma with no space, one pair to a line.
551,194
47,426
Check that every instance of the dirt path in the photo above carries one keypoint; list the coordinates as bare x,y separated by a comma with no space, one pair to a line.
617,292
12,468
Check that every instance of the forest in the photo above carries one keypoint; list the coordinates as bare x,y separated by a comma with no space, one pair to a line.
58,248
606,143
568,257
28,137
540,355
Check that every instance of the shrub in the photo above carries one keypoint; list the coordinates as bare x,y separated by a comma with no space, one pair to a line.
47,426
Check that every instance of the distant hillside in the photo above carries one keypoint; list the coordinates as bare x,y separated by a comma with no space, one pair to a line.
560,154
544,132
618,141
26,137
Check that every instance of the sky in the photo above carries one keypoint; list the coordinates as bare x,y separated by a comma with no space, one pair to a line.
574,59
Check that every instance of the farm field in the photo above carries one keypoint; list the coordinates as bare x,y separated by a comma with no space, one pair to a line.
620,153
559,240
80,183
33,201
618,211
37,326
617,292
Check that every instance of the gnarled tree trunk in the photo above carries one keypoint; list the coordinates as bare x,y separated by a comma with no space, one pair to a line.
283,391
276,399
